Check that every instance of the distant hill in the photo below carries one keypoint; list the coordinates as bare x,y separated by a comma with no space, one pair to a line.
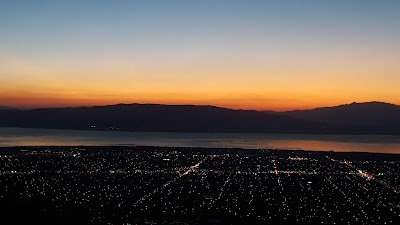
5,107
152,117
356,118
373,117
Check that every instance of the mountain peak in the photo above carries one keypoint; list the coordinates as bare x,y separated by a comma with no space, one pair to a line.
369,115
370,103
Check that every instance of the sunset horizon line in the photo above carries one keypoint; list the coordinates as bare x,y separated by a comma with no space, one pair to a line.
191,104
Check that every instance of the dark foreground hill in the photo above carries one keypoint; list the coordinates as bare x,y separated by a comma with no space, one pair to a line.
366,118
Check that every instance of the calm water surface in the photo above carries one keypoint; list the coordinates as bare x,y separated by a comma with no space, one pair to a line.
348,143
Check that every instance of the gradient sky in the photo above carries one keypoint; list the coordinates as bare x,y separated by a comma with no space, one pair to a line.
249,54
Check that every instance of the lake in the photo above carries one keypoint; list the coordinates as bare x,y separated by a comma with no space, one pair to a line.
340,143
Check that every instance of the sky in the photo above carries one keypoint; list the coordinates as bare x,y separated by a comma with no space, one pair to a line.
242,54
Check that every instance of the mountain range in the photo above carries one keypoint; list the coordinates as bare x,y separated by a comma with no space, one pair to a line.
355,118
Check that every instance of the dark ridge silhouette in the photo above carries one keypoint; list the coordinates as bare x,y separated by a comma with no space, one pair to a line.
378,117
152,117
5,108
356,118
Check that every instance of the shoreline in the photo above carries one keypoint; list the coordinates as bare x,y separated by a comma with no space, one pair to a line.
223,150
199,132
343,143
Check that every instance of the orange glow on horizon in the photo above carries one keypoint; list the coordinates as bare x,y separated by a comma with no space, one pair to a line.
240,101
230,83
250,55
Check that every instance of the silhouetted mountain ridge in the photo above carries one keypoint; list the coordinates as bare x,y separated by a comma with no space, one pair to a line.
371,115
370,105
355,118
5,108
153,117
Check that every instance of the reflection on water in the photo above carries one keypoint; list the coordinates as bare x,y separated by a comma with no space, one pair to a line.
353,143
